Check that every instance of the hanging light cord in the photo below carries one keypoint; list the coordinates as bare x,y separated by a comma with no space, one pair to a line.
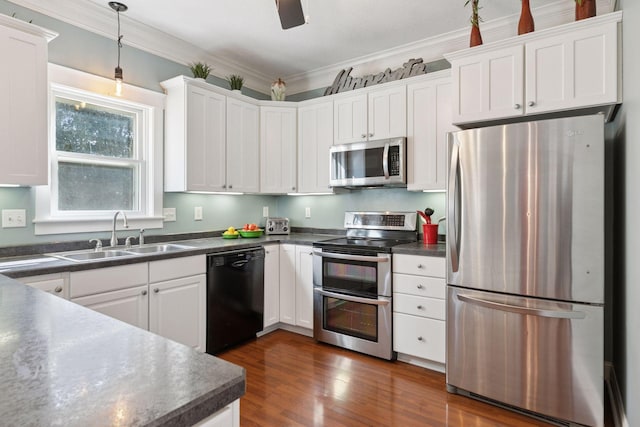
119,39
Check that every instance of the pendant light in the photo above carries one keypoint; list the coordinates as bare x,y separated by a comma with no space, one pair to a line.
118,7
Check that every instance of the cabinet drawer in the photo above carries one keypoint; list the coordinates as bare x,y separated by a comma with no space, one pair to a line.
418,336
419,306
169,269
420,265
108,279
420,286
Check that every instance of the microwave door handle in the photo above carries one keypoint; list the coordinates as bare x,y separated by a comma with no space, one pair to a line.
556,314
348,257
351,298
385,161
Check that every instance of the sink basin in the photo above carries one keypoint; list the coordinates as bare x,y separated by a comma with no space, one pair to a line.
152,249
89,256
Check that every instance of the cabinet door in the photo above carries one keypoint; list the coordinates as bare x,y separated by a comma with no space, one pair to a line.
56,284
130,305
271,285
277,150
23,108
304,287
429,120
206,140
177,310
387,113
315,137
488,85
350,119
243,147
574,70
288,284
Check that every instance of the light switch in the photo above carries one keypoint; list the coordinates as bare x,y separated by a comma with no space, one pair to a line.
14,218
307,212
197,213
265,211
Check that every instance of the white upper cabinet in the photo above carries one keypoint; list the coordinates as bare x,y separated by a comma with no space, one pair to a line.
568,67
374,114
429,120
243,146
315,137
278,139
23,105
195,136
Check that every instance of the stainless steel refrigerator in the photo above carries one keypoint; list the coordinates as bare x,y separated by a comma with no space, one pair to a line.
525,279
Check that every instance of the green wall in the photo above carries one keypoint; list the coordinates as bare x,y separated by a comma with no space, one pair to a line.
80,49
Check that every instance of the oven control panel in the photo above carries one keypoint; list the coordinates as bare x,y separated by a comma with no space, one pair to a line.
381,220
277,226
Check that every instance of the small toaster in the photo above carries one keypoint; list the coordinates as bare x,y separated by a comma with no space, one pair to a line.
277,226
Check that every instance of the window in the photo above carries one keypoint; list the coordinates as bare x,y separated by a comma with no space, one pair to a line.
103,158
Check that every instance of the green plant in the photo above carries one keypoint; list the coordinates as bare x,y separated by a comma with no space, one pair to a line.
200,70
235,81
475,17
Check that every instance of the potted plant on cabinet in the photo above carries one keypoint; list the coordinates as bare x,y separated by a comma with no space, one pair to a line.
235,82
585,9
200,70
476,38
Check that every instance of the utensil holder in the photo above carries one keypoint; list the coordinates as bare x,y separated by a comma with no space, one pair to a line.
429,234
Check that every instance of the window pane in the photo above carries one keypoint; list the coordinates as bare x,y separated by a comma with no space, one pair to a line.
92,129
86,187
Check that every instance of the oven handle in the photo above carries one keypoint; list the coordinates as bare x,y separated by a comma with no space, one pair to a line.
348,257
351,298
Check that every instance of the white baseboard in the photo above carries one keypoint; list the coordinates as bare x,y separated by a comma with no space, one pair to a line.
291,328
615,397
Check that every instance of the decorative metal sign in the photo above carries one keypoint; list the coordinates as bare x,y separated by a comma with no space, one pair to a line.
344,82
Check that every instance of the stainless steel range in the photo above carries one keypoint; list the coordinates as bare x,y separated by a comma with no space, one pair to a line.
352,295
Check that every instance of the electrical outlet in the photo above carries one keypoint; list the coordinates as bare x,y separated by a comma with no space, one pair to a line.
169,214
197,213
13,218
265,211
307,212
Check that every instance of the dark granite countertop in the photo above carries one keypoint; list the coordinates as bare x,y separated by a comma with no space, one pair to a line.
63,364
419,248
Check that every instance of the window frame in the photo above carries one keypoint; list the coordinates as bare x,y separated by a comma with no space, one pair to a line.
149,108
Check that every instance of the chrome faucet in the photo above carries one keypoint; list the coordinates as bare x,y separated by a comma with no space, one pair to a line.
114,239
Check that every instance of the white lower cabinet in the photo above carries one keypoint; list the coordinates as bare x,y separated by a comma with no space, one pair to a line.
419,307
296,285
56,284
167,297
271,285
229,416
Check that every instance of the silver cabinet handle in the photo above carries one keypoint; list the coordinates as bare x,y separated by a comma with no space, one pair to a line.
224,186
364,135
420,307
293,188
351,298
144,292
370,135
420,287
420,266
156,290
230,186
558,314
531,103
420,339
58,289
517,106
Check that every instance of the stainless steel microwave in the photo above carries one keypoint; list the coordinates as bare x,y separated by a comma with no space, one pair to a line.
369,164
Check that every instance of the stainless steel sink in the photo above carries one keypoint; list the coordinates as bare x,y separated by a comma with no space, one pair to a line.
151,249
89,256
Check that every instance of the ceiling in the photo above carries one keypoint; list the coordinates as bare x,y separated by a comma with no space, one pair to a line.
245,37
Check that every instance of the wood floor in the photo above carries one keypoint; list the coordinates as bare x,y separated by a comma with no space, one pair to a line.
294,381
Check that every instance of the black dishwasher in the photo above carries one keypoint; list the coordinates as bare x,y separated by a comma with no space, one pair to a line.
235,297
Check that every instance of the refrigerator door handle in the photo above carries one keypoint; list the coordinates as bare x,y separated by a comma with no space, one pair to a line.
558,314
452,195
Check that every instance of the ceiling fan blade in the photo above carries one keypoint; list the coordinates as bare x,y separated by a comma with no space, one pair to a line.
290,12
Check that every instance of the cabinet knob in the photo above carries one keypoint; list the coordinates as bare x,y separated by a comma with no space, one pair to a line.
230,186
420,307
420,266
293,188
420,287
517,106
364,135
58,289
420,339
156,290
144,292
531,103
370,135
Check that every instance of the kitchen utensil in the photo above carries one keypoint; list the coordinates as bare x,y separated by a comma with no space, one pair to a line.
424,217
428,212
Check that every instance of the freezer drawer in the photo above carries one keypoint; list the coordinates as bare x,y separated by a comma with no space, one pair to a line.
538,355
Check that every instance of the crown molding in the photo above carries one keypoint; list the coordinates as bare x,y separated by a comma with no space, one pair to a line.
27,27
100,20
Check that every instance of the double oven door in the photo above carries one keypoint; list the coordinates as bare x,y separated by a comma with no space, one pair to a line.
352,300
